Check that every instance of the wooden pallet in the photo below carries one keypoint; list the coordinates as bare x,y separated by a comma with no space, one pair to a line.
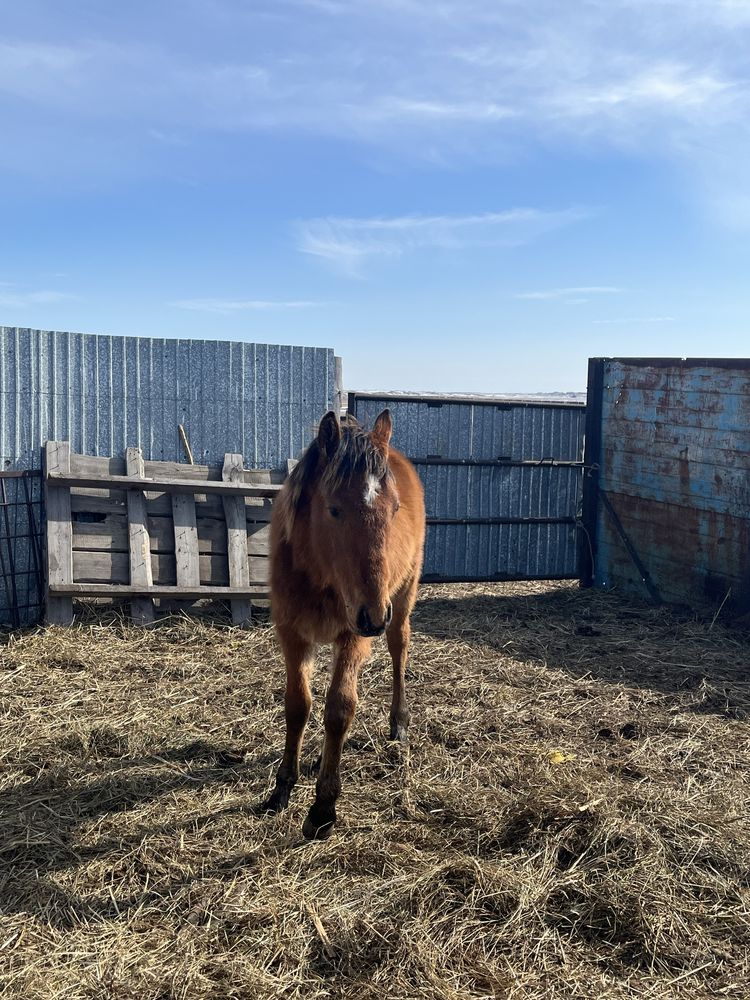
136,530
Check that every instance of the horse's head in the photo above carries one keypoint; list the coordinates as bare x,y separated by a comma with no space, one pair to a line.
352,506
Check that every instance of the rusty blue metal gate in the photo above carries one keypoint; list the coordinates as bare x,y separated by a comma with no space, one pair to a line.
667,500
502,479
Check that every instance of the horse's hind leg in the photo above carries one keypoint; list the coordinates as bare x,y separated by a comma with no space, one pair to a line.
397,636
341,703
299,656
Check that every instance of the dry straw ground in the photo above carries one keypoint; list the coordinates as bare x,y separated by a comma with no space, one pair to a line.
571,819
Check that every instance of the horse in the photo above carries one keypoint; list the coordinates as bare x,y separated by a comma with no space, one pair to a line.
347,543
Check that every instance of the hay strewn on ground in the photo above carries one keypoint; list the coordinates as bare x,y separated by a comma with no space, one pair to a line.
571,819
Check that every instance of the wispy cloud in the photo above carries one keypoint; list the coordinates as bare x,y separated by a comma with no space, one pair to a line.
227,306
13,298
416,110
444,81
564,293
636,319
350,243
673,89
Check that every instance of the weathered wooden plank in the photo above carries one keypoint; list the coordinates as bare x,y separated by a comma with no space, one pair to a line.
237,539
141,608
182,522
98,501
160,504
59,609
100,567
110,534
157,590
96,465
185,541
258,540
180,470
264,476
258,509
91,465
259,568
174,485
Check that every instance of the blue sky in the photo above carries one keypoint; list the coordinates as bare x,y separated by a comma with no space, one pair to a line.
454,194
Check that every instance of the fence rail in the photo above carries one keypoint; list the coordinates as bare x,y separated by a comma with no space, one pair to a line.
125,528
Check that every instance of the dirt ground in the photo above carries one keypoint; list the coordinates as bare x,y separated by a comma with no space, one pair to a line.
570,820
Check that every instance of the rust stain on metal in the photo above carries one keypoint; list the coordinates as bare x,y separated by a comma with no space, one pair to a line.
675,445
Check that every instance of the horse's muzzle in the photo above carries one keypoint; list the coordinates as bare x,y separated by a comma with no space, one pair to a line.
367,627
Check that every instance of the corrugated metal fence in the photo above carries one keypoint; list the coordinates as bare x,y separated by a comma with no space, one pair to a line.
668,504
502,481
104,394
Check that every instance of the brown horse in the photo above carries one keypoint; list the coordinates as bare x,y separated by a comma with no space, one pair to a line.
347,537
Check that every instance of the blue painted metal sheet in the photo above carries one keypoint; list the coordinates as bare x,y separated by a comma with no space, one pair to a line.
104,394
465,452
675,463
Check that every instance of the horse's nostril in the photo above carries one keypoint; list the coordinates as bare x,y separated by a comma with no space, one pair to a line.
364,624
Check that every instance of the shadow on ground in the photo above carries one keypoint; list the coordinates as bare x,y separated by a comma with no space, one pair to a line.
42,820
588,633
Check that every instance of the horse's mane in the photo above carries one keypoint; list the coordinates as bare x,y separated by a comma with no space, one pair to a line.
356,454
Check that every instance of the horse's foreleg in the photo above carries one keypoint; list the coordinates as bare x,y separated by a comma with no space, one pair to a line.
299,656
398,635
341,703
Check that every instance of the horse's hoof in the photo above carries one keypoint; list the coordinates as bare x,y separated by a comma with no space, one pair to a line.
318,827
278,800
400,733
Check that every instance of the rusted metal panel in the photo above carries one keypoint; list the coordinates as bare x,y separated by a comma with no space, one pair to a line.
674,461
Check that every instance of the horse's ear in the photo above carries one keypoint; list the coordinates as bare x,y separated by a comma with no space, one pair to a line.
329,434
382,430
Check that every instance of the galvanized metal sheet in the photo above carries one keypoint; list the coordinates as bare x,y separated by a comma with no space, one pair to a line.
104,394
491,433
516,430
500,552
500,491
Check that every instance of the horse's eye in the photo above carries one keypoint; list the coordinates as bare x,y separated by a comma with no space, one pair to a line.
334,512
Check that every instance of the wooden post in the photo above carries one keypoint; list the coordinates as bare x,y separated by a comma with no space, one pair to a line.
236,518
186,540
141,608
59,610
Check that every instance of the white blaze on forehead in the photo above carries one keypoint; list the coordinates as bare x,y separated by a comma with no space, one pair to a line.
372,490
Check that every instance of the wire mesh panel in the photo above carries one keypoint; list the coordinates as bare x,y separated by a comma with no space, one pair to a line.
21,548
